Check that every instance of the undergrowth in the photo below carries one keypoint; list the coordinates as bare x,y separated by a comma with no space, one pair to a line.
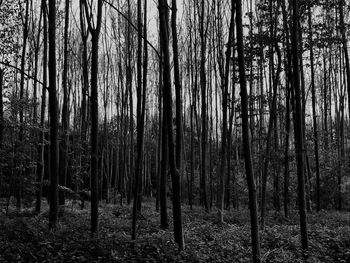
25,237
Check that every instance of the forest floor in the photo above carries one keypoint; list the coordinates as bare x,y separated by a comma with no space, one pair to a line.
25,237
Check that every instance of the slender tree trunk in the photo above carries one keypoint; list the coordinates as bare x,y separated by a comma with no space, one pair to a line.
246,140
314,116
21,97
140,122
164,174
347,68
298,126
41,148
131,105
64,131
178,88
163,20
53,98
95,31
223,168
203,80
1,107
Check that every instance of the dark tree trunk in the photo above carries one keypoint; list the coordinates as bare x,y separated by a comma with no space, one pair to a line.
178,89
94,112
314,116
21,97
53,117
1,107
41,147
175,175
140,120
65,113
298,126
246,140
203,82
164,174
223,165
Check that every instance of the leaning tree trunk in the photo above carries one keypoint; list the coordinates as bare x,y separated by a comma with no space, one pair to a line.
246,140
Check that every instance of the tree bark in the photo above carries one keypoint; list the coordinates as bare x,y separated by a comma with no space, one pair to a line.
203,82
314,116
175,176
246,140
94,111
53,98
178,88
298,125
41,148
65,113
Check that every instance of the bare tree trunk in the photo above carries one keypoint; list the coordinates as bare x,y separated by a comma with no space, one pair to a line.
298,126
175,176
164,173
65,117
41,148
53,98
203,80
178,89
246,140
21,97
94,31
140,120
314,116
223,166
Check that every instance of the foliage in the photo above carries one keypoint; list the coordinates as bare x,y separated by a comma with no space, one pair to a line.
24,237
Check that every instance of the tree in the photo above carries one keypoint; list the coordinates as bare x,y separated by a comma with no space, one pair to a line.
314,116
175,176
141,100
65,111
224,140
203,82
246,140
53,96
41,148
178,88
298,124
94,30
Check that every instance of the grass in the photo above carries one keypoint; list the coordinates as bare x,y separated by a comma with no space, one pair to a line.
25,237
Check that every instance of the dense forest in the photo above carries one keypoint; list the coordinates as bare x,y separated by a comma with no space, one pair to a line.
174,131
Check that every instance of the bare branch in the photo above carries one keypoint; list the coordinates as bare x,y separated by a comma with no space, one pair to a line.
128,20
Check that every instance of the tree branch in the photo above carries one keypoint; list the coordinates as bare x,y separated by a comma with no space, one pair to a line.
128,20
27,75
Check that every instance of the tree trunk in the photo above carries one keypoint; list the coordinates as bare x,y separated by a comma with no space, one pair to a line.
314,116
41,148
246,140
164,174
94,112
178,88
65,117
175,176
53,98
203,80
140,121
298,126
